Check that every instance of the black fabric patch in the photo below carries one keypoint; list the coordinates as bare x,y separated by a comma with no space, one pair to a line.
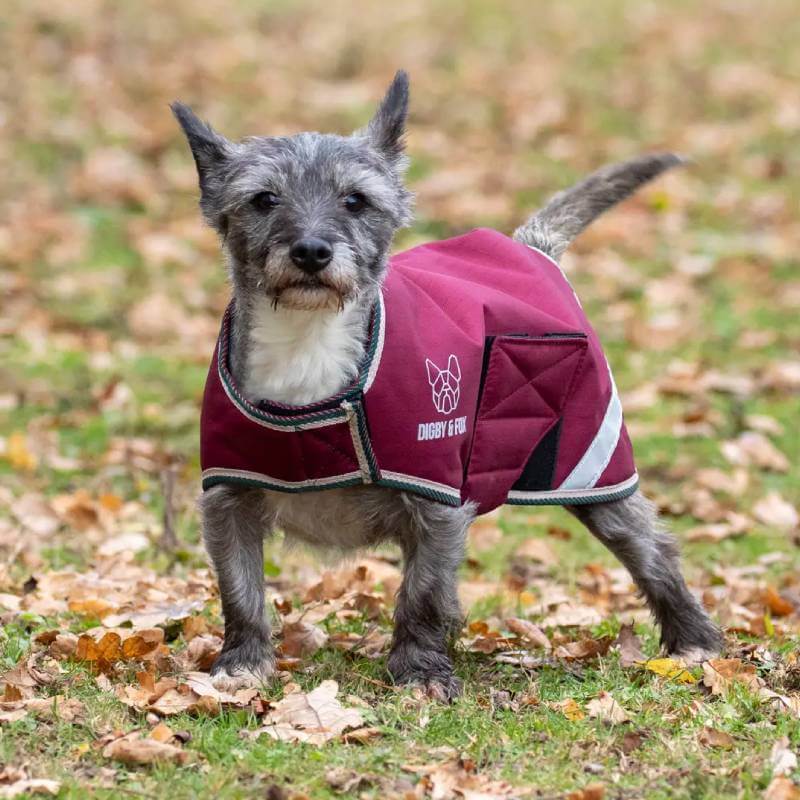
537,476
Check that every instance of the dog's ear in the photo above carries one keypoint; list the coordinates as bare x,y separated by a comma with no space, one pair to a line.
433,371
387,128
453,367
210,150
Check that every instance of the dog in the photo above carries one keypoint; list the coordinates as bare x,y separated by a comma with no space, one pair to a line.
306,223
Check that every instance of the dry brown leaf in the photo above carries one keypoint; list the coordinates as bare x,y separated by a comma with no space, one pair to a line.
314,718
572,615
460,779
201,653
29,786
776,512
537,550
142,643
782,788
753,448
583,649
300,639
720,674
630,647
733,525
528,632
162,733
594,791
136,749
782,759
606,708
711,737
372,644
101,655
778,605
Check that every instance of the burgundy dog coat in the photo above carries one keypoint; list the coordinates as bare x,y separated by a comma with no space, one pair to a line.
483,381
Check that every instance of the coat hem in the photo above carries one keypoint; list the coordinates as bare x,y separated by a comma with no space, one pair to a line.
575,497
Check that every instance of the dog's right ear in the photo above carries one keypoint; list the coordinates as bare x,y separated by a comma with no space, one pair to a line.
210,150
387,128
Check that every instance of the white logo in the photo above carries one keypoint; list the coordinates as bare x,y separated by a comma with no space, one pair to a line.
445,384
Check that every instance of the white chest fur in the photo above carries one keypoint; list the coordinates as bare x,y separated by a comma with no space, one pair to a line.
300,357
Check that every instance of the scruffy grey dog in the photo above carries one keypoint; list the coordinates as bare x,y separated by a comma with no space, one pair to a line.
306,223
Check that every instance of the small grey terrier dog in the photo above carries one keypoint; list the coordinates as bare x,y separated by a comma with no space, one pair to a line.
306,223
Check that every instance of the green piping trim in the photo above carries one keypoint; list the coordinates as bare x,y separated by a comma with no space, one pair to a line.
431,494
366,444
216,480
298,421
619,494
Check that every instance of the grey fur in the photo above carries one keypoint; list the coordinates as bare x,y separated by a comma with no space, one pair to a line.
630,529
312,172
567,213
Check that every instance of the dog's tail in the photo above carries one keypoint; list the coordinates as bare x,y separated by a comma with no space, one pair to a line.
552,229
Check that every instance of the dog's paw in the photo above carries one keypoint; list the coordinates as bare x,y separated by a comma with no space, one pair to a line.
694,656
441,686
230,677
444,690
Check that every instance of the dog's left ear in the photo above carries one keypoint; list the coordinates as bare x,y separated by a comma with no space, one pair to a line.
387,128
211,151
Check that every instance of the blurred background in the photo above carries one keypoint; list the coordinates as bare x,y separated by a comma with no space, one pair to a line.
113,289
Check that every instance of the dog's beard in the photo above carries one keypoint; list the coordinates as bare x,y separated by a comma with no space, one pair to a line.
308,297
329,289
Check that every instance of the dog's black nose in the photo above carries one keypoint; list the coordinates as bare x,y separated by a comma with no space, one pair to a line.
311,254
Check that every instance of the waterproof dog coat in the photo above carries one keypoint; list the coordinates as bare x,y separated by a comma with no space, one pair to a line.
483,381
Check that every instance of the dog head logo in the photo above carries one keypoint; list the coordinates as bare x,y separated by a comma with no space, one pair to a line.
445,384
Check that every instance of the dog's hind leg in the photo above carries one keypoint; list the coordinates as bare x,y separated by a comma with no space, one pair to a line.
235,521
631,530
427,613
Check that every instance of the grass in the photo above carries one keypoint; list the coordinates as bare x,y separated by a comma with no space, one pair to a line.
513,101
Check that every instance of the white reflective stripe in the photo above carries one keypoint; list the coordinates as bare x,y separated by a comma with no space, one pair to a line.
594,461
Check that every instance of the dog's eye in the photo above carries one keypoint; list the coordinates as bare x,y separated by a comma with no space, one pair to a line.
355,202
266,201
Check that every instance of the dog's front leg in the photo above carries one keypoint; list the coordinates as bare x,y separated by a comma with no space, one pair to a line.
235,521
428,614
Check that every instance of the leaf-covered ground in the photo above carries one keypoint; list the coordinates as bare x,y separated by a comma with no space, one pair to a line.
112,292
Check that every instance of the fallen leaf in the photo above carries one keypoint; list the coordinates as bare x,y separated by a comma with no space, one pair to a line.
778,605
711,737
136,749
161,733
781,788
528,632
669,668
752,448
584,649
569,708
538,550
461,779
720,674
629,645
572,615
776,512
315,718
606,708
594,791
27,786
782,759
299,639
